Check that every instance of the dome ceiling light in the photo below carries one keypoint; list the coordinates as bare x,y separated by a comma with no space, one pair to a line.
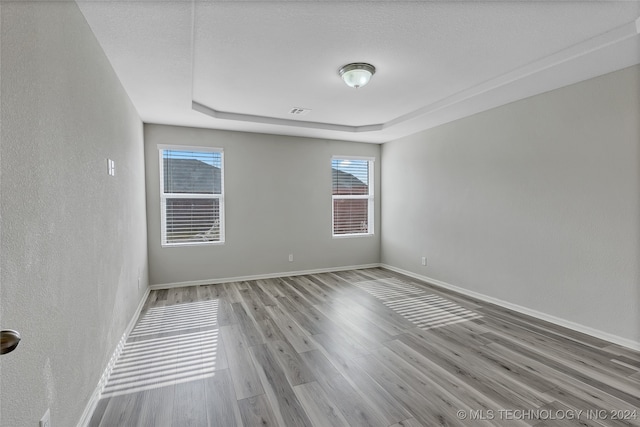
357,74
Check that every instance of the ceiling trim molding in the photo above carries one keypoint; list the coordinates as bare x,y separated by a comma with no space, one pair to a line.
586,47
602,41
225,115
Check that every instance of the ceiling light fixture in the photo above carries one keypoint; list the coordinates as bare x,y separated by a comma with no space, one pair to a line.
357,74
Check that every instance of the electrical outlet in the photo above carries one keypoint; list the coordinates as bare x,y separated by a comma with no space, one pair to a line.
424,260
45,421
290,257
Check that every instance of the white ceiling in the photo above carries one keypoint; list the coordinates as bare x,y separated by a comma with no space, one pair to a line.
242,65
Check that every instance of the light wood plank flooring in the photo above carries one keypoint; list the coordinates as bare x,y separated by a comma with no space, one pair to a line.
359,348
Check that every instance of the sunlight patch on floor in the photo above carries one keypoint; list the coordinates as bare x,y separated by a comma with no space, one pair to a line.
169,345
425,310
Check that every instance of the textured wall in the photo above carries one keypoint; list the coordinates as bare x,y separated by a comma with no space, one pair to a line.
535,203
278,201
73,238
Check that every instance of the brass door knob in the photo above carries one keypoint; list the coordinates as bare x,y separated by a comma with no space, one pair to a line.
9,340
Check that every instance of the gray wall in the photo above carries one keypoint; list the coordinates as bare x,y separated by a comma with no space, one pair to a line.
278,201
73,238
535,203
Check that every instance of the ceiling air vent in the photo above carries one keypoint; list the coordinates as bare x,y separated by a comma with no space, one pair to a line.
297,111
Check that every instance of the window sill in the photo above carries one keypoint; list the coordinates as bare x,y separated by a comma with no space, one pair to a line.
182,245
350,236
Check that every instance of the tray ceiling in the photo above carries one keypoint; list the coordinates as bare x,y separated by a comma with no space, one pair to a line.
245,65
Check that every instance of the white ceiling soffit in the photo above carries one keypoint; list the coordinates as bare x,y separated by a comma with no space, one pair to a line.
246,66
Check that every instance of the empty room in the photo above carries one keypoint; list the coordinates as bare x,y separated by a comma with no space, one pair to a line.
319,213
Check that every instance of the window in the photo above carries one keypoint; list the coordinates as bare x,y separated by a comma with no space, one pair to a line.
191,195
352,212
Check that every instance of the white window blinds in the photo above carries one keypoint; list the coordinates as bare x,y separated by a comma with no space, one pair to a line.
192,196
352,196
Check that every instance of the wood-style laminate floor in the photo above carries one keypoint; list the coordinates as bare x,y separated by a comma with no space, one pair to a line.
359,348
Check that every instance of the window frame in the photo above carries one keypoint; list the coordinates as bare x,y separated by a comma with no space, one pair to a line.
164,196
370,197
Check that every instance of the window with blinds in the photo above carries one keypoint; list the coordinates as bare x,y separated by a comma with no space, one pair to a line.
192,196
352,196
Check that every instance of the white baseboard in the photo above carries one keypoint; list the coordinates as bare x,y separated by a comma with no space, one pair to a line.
625,342
95,396
261,276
